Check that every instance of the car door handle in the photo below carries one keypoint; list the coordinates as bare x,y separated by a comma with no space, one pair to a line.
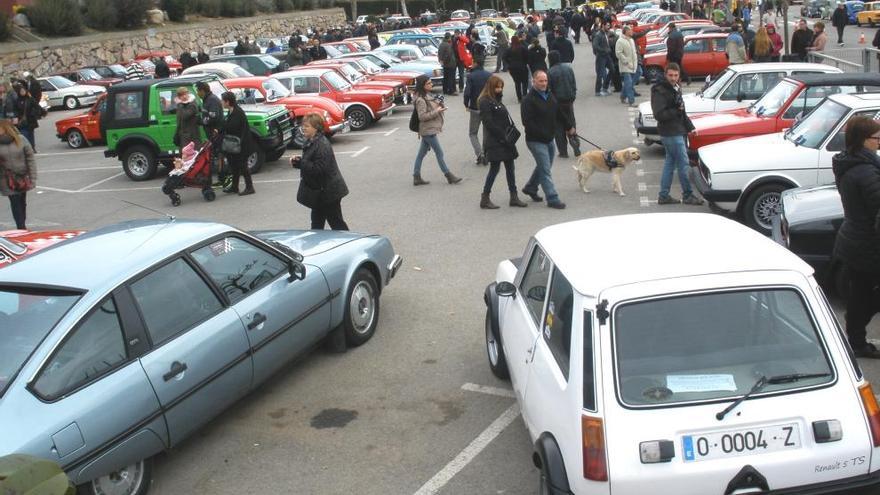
176,368
257,320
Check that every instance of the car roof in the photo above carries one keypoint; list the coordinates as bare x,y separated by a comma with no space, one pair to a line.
844,78
148,83
228,66
301,70
655,246
856,101
776,66
101,259
704,36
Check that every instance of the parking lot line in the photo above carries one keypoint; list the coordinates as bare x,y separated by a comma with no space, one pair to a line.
392,131
358,152
473,449
484,389
58,170
61,153
100,182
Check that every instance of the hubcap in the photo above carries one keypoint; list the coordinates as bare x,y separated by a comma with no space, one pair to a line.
252,160
491,344
766,208
75,139
138,164
358,119
126,481
71,103
362,307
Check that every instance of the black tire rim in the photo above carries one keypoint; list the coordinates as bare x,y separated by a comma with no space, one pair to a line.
765,208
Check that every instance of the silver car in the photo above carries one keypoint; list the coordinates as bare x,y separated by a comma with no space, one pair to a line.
63,92
122,342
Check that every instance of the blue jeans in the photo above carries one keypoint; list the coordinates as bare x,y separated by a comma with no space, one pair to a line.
628,93
676,159
602,78
543,154
28,134
638,75
429,142
509,170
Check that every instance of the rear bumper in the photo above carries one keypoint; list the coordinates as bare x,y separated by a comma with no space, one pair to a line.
650,133
856,485
342,127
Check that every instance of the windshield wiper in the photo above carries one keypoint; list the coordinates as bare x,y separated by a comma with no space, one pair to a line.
763,382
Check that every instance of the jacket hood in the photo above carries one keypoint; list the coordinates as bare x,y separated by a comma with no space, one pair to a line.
843,162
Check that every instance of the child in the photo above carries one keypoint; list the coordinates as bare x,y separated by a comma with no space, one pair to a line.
185,161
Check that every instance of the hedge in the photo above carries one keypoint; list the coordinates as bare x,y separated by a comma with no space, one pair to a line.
56,17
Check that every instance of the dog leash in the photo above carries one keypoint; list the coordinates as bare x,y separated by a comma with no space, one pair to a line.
587,140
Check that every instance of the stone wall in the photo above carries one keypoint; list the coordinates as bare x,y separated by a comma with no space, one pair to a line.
55,55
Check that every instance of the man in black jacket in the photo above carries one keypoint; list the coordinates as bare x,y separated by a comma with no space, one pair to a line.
540,118
563,85
578,21
673,126
840,19
801,40
561,44
602,51
211,119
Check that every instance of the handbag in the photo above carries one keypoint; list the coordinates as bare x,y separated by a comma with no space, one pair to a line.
231,144
511,134
17,183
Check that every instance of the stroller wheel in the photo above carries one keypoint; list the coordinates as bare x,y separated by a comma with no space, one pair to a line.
175,199
209,194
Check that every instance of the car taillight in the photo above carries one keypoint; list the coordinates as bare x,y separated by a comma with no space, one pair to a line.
594,449
872,411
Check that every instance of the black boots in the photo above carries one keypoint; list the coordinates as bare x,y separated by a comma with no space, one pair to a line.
515,201
418,181
451,178
486,203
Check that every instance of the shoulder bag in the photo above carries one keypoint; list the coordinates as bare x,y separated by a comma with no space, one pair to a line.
511,134
231,144
17,183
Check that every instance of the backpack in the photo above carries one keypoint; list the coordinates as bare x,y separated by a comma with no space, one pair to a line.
414,119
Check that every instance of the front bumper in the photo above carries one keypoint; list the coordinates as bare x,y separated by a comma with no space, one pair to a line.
275,141
393,267
386,111
341,128
712,195
87,100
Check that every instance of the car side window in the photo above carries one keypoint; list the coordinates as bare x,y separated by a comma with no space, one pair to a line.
797,106
732,90
812,97
95,347
306,85
237,266
46,86
696,46
166,100
172,299
557,320
720,45
129,105
838,142
534,283
589,367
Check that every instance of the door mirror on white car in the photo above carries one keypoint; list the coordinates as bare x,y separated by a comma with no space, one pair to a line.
505,289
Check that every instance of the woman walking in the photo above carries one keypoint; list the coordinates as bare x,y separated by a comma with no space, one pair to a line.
517,60
236,126
499,141
27,111
18,170
187,118
857,246
321,187
430,110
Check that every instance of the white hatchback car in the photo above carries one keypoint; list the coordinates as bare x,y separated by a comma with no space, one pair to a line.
639,371
737,87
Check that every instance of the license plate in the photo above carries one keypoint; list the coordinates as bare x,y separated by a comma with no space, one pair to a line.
747,441
287,135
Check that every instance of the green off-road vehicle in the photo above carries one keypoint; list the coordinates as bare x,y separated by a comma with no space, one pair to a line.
140,122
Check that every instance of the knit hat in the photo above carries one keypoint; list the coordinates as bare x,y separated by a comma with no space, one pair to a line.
188,152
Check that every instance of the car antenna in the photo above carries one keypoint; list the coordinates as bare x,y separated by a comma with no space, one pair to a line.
169,216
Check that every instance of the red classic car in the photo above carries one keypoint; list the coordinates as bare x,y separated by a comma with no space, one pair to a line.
777,109
172,62
84,129
90,76
687,27
16,244
368,66
362,106
345,46
703,56
352,73
272,91
658,20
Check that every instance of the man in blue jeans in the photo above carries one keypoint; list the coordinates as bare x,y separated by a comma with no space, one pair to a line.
673,125
602,51
541,117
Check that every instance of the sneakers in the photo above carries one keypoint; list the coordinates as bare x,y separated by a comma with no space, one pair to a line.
668,200
533,194
692,200
604,93
559,205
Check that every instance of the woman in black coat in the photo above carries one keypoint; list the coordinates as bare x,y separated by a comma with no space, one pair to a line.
857,246
321,187
517,60
236,124
498,143
537,56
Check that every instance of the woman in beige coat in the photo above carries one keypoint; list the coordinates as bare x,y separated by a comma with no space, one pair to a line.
18,170
430,110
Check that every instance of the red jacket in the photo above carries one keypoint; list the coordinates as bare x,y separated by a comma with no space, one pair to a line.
464,55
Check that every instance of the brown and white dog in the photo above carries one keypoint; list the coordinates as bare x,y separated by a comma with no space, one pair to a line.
598,160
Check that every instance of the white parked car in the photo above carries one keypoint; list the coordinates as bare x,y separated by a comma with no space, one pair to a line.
411,53
737,87
723,373
62,92
746,176
223,70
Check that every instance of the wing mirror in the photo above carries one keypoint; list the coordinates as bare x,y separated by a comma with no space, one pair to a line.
505,289
296,270
740,97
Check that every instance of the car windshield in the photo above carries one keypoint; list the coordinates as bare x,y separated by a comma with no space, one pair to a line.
369,65
274,90
717,84
429,50
117,70
812,130
351,73
217,87
60,82
26,318
387,57
89,74
270,61
772,101
240,72
713,346
335,80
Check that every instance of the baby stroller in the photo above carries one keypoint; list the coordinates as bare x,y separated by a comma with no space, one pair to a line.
195,172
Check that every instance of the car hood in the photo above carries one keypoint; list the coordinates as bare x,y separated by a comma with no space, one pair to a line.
403,73
724,122
261,109
693,103
309,242
809,204
82,89
32,241
769,151
319,102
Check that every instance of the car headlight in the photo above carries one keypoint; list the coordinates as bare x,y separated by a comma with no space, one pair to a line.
438,72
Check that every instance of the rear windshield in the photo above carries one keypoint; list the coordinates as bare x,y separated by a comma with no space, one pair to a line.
714,346
26,318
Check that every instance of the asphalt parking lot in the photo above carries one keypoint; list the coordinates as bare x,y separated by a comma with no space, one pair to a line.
416,410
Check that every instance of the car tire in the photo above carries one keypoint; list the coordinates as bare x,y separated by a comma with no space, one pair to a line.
275,155
71,103
359,117
130,480
361,313
653,74
75,139
494,350
256,160
761,205
139,162
544,486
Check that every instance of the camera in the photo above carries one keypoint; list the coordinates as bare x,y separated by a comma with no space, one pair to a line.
442,100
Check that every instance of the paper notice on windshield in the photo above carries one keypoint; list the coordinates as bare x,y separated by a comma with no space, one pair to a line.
700,383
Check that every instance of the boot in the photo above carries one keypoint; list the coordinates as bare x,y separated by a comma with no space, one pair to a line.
486,203
418,181
451,178
514,200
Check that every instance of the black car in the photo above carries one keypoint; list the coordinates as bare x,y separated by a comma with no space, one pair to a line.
815,9
807,224
258,65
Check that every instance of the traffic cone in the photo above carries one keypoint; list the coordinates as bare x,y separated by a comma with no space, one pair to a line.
862,38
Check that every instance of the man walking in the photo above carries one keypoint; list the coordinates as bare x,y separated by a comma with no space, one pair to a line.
578,21
211,119
476,80
801,40
562,45
674,46
627,61
840,19
502,43
446,57
563,86
673,126
541,117
602,51
735,46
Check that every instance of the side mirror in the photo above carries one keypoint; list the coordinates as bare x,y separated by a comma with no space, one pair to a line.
740,97
799,116
296,270
505,289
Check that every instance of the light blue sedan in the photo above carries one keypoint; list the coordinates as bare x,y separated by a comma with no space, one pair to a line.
118,344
